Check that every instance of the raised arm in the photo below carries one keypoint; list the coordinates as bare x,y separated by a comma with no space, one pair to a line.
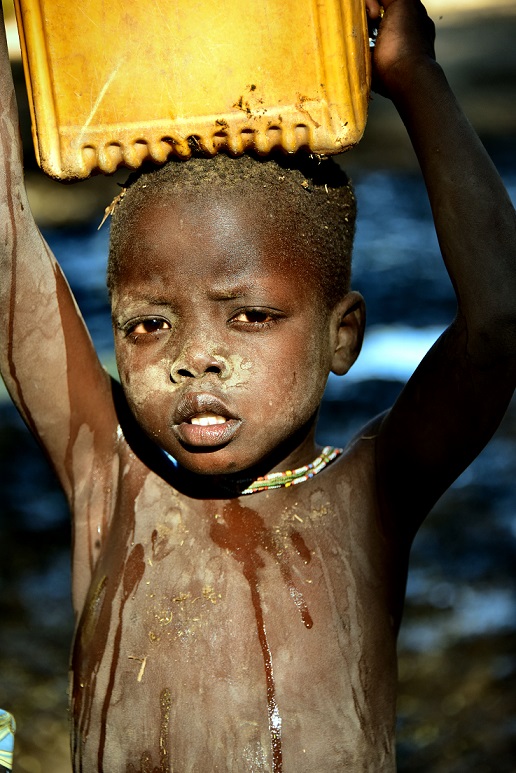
46,356
458,395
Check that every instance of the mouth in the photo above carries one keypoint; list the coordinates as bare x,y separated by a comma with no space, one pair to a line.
207,420
201,419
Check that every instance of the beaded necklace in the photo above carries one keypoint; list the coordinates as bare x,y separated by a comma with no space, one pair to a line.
276,479
293,477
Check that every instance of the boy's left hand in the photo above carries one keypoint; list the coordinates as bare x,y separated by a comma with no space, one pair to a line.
405,39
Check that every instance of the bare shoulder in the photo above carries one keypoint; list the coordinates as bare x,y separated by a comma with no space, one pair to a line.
350,487
356,466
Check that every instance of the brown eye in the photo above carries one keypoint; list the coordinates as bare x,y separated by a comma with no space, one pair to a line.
253,317
151,325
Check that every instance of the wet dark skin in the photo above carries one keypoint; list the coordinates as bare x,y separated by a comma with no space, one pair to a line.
251,633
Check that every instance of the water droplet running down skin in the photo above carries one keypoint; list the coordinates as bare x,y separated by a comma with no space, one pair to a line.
272,706
243,533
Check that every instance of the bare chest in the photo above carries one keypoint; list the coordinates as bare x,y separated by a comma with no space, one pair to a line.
217,637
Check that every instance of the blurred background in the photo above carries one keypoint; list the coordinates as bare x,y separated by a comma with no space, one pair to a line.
457,690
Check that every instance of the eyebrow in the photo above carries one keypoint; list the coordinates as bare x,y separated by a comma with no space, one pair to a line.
231,292
147,298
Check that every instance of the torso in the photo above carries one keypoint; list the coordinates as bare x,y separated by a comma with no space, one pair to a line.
247,635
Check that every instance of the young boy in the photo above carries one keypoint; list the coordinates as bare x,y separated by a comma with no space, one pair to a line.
226,623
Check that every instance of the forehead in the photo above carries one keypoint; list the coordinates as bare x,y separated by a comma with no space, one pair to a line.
216,233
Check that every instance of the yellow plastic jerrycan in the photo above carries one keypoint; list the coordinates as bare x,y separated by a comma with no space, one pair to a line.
119,82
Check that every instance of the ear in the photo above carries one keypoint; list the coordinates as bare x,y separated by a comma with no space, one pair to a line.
348,323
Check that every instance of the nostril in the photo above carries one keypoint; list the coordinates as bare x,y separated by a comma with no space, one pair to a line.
182,373
197,367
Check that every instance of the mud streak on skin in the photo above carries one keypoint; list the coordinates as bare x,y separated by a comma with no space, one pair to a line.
12,298
165,760
164,755
133,573
243,533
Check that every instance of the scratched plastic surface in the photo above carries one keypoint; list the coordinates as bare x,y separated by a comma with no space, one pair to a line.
115,82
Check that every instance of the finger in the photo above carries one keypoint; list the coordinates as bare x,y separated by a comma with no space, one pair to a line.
374,9
387,3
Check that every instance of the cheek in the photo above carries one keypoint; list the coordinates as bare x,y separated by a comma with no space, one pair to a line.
240,366
143,382
237,371
297,378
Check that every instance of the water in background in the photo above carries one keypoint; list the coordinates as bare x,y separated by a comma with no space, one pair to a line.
457,708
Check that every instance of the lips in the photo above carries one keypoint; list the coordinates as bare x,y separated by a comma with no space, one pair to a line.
207,419
202,419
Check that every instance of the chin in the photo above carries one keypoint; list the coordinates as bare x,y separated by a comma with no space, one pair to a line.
210,461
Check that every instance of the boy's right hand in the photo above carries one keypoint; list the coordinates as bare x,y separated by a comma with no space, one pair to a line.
405,41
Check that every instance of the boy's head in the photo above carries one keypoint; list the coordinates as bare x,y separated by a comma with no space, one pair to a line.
313,196
229,283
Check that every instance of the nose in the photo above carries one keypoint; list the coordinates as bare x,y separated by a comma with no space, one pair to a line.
195,363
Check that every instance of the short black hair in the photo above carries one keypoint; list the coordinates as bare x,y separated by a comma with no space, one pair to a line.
317,191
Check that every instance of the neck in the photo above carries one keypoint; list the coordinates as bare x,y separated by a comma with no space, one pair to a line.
243,484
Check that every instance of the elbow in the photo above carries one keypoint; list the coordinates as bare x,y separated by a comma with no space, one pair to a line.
494,342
